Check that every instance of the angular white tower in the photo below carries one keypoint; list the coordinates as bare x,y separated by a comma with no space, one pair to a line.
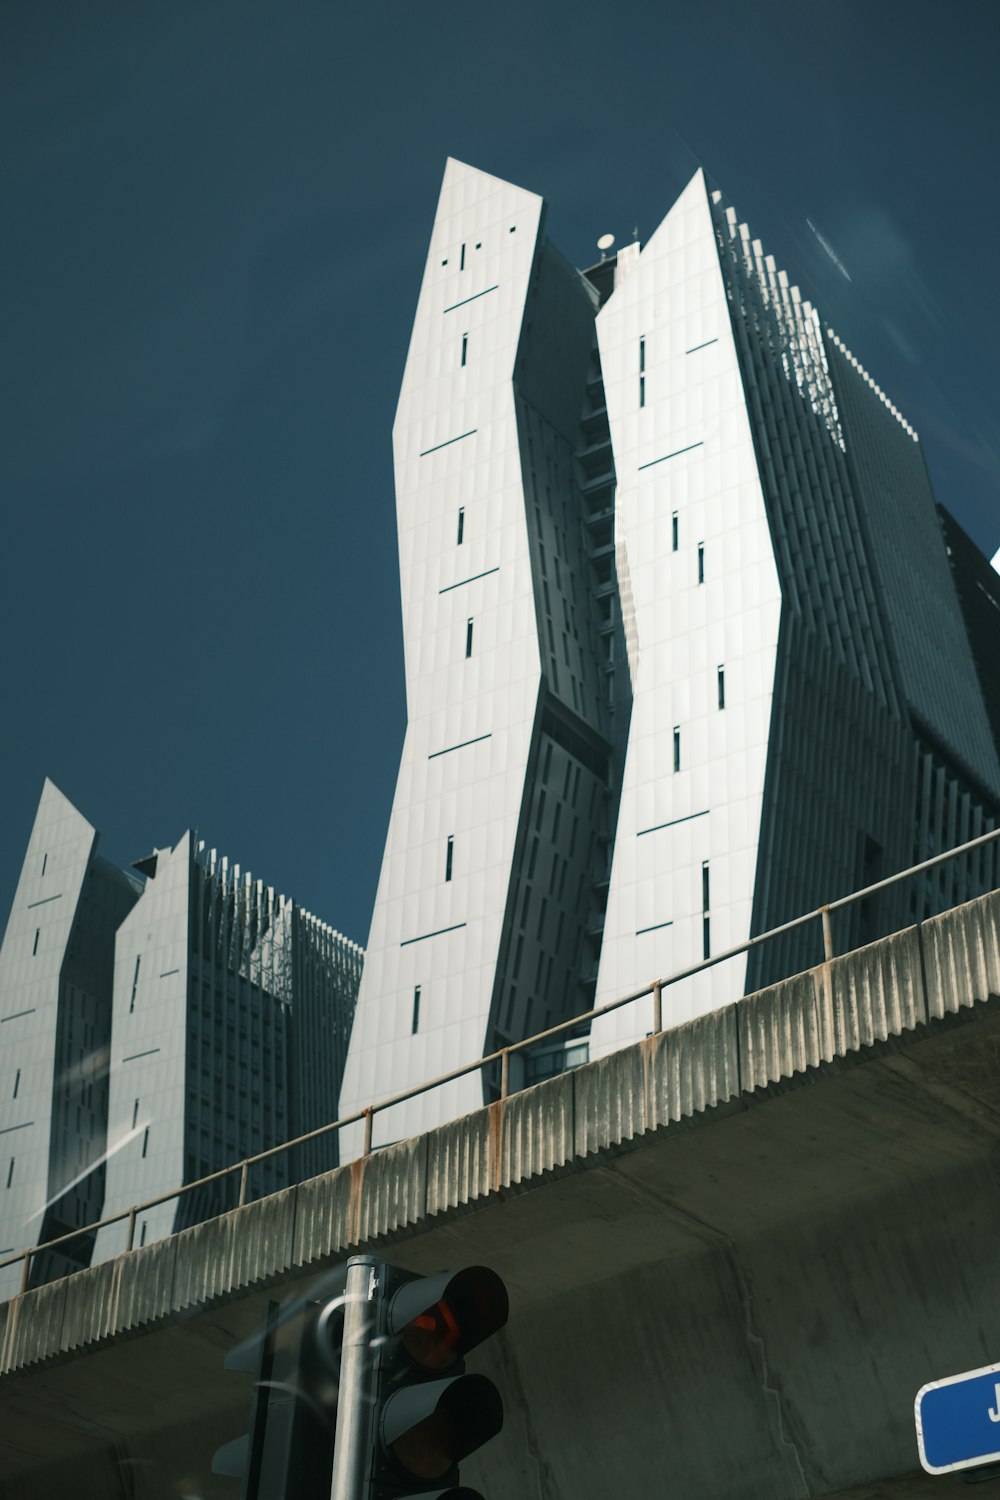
151,1034
694,542
486,885
55,1027
684,656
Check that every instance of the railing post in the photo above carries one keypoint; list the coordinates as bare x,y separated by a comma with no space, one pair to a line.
130,1232
26,1272
827,933
369,1117
244,1180
504,1072
657,1006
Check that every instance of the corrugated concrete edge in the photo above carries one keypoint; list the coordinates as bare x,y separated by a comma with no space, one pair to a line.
960,946
666,1082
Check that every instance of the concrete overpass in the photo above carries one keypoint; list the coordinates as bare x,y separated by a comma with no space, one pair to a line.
734,1252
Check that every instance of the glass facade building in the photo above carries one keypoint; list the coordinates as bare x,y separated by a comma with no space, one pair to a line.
156,1024
684,652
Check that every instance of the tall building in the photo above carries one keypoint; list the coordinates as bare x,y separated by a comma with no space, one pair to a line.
56,967
156,1024
684,654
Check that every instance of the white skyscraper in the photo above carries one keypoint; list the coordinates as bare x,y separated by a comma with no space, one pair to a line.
155,1026
684,656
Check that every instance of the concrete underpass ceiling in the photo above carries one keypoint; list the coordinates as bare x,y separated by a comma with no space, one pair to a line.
742,1305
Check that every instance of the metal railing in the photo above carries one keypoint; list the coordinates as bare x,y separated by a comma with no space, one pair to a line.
822,914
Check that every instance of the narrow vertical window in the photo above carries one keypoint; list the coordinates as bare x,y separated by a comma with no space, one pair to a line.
461,259
705,901
135,983
468,638
722,687
701,562
642,356
677,747
10,1172
675,531
17,1083
706,937
135,1114
142,1234
45,860
642,390
34,946
465,348
145,1142
509,1012
461,525
705,904
449,856
415,1023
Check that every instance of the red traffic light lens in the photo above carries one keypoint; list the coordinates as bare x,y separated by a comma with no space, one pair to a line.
433,1338
436,1320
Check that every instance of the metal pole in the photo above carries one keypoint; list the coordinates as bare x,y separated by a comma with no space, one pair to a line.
827,933
244,1179
369,1117
130,1233
505,1073
25,1273
354,1399
657,1006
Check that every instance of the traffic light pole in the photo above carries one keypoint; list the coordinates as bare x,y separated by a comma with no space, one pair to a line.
350,1459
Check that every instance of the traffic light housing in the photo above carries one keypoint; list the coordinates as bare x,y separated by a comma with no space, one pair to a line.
406,1338
288,1449
367,1391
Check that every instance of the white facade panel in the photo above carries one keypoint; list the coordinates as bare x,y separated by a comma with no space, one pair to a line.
31,960
689,819
149,1057
472,663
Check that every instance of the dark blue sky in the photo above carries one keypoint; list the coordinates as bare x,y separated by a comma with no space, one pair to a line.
216,217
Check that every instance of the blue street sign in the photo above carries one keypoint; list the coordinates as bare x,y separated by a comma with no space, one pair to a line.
958,1420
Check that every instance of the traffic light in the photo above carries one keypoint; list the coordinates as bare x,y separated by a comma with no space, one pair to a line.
408,1412
288,1450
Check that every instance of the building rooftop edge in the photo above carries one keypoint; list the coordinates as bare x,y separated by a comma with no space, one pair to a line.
839,343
